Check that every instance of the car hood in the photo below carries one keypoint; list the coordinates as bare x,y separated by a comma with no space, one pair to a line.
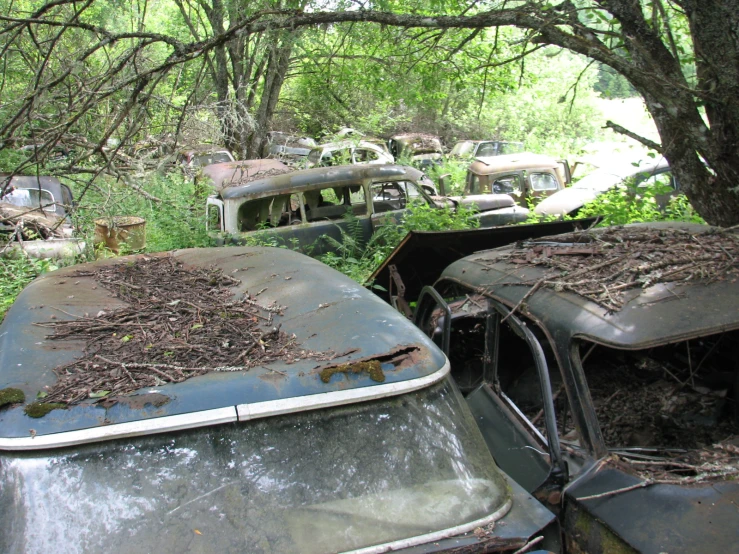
565,201
662,517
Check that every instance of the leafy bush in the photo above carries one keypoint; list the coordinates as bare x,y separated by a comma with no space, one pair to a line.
178,221
625,204
358,260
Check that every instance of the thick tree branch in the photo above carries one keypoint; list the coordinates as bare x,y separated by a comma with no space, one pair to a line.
623,131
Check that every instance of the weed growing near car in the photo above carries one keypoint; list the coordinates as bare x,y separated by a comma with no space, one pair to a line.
175,222
15,274
358,260
622,205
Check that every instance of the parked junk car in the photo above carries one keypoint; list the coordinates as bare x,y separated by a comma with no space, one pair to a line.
303,207
570,200
36,208
527,177
348,152
348,132
601,367
229,174
424,151
201,156
484,148
286,147
249,400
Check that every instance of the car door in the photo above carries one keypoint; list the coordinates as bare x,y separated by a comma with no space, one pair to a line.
539,185
502,370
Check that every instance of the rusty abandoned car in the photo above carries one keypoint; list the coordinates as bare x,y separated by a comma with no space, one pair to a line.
423,151
238,400
570,200
485,148
348,152
34,216
602,369
527,177
299,208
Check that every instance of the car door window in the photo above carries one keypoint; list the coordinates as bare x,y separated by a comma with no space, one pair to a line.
505,184
543,181
273,211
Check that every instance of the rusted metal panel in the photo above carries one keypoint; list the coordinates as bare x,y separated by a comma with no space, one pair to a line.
422,256
231,174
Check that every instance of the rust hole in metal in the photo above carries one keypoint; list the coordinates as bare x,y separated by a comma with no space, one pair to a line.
400,357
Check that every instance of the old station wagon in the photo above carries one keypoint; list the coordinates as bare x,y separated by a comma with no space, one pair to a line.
299,208
527,177
602,369
352,436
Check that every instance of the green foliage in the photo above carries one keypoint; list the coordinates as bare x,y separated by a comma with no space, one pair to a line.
178,221
625,204
15,274
358,260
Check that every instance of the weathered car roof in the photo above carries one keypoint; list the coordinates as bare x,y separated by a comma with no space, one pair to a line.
232,174
325,310
420,142
309,179
659,314
486,165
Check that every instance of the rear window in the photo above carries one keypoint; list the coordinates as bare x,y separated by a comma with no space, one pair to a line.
212,158
30,198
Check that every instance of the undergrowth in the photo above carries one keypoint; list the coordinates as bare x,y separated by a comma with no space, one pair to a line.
15,274
624,204
358,260
174,222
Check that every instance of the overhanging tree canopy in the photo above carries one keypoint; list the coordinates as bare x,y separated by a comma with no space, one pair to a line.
681,56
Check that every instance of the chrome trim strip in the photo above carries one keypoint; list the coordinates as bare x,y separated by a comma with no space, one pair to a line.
436,535
122,430
229,414
337,398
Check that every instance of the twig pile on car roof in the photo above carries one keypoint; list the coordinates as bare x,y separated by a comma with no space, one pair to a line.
179,322
243,176
604,265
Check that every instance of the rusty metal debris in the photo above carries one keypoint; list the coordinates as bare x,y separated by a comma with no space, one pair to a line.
180,322
603,266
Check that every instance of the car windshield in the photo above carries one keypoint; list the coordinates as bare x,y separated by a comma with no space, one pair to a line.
202,160
462,149
328,480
